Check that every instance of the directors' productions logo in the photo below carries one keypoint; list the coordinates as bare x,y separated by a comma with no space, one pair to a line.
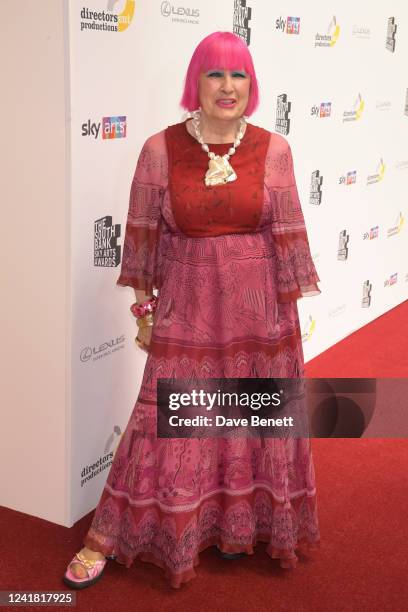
290,25
331,37
343,249
283,106
357,110
308,328
110,20
390,38
242,16
88,472
316,188
179,13
366,300
112,127
106,249
397,227
378,175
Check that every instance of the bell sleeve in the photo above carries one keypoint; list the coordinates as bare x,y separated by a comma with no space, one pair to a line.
141,260
296,275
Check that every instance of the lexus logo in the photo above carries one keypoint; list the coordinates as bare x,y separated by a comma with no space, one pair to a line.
165,9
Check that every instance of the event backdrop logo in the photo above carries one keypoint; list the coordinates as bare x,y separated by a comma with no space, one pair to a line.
372,234
355,113
103,350
308,328
337,311
283,107
291,25
321,110
397,227
242,15
112,127
329,39
366,300
392,280
316,188
377,176
361,32
349,179
109,21
106,250
342,253
383,105
391,29
181,14
91,470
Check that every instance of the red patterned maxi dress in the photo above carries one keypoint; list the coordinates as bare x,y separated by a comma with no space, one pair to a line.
229,262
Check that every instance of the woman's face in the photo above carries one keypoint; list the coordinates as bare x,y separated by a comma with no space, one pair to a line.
224,94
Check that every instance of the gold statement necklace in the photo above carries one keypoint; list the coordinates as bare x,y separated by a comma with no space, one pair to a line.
219,170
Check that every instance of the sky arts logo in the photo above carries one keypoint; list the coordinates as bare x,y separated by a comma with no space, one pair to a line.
392,280
373,233
291,25
377,176
322,110
110,20
329,39
112,127
348,179
355,113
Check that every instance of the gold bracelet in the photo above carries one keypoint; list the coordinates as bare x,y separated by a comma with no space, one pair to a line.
146,321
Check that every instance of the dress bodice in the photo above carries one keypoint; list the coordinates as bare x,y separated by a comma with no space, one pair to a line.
234,207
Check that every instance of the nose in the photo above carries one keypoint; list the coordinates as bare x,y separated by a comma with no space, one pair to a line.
227,84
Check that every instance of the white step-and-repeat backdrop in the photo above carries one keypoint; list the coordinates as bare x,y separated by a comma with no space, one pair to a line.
333,81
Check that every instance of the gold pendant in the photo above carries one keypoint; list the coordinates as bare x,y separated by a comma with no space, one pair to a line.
219,172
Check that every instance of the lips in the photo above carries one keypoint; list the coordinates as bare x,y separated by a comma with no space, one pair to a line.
226,102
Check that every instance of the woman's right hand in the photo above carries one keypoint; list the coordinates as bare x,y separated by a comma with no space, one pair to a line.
145,335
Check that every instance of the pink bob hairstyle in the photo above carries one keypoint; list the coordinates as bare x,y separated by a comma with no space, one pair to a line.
222,50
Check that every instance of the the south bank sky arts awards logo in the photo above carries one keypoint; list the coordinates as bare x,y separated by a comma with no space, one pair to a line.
116,17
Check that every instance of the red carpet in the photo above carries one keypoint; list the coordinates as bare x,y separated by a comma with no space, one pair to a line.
362,500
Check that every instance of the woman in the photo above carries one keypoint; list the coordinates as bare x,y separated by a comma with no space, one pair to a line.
224,241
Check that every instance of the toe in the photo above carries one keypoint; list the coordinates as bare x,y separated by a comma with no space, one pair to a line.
78,570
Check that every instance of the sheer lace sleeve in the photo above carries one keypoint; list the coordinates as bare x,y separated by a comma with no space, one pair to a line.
295,271
141,249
